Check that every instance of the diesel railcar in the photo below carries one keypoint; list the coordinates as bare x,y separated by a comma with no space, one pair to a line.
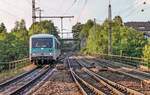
44,49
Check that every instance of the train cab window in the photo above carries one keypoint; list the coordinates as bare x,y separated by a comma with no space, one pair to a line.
42,42
56,45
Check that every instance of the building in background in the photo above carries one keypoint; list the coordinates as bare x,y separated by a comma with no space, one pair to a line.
140,26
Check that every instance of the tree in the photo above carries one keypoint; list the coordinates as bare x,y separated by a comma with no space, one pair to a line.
146,52
14,45
118,20
76,29
86,27
3,28
125,41
43,27
97,40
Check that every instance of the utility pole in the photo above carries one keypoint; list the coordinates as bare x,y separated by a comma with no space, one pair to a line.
59,17
110,29
33,12
95,24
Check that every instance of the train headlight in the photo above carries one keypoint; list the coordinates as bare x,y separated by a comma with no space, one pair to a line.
50,53
33,54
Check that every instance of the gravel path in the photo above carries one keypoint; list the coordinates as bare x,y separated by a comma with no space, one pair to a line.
59,84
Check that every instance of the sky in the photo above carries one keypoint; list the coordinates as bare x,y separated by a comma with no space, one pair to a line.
129,10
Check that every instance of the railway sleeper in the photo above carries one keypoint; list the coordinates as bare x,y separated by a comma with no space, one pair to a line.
95,90
121,87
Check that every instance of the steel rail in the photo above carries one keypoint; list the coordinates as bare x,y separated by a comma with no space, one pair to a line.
146,80
78,84
14,84
20,89
138,71
16,78
131,91
105,83
76,77
30,92
101,81
112,83
95,90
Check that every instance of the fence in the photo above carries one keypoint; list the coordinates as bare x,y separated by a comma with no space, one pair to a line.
5,66
134,61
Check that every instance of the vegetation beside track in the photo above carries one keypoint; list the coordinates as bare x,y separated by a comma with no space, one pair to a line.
14,44
11,69
126,41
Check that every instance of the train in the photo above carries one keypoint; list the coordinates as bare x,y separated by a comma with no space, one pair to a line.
44,49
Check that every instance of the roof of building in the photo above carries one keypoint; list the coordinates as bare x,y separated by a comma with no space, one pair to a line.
140,26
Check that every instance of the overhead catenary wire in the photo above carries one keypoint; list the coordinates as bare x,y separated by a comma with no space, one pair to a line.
70,7
134,9
145,3
15,8
129,8
82,9
10,14
13,5
131,13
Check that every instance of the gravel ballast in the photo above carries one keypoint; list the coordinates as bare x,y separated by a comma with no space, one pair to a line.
60,83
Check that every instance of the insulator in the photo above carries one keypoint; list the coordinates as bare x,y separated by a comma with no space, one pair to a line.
144,3
142,10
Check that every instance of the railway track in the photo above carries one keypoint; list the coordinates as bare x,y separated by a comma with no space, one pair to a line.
145,77
85,87
23,83
96,84
123,79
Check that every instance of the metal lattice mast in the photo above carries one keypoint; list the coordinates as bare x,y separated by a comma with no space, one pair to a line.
59,17
40,14
33,12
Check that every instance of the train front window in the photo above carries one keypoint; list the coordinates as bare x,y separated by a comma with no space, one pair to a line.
42,42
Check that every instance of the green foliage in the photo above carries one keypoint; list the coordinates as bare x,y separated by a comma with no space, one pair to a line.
15,44
43,27
3,28
125,41
86,27
97,40
76,29
146,52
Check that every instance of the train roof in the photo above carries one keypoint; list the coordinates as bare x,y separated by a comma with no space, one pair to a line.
42,35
